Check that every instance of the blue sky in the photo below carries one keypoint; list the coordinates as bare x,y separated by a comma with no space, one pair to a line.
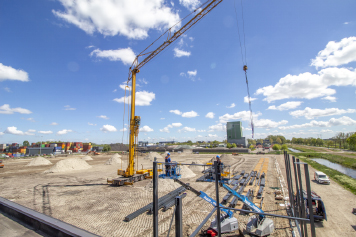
64,64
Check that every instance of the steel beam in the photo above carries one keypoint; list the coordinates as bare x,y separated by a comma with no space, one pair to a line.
299,205
196,231
217,177
178,217
310,204
301,197
155,199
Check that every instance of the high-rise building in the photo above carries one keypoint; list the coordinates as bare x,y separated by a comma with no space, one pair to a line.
234,130
234,133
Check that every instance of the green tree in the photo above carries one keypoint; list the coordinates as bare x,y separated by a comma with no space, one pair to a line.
352,141
276,147
189,142
284,147
329,143
252,148
271,140
228,145
278,140
106,148
26,143
233,145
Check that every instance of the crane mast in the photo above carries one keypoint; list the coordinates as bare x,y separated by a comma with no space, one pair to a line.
135,68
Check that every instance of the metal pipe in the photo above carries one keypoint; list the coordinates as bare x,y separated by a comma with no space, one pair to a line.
301,198
299,207
217,177
178,217
155,199
269,214
311,212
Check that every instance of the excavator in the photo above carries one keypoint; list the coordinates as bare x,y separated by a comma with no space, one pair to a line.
130,175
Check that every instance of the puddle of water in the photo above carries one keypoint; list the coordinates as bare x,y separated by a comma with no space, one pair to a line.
348,171
294,150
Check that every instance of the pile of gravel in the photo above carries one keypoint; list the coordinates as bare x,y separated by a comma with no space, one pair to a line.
39,161
69,165
113,160
87,158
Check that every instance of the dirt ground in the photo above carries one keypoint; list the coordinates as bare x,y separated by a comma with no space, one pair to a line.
83,198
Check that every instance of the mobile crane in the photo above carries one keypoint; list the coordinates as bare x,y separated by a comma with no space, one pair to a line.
129,176
258,226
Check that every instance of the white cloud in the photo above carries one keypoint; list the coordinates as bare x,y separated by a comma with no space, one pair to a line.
64,131
201,130
7,89
176,125
326,130
331,123
242,115
268,124
309,86
165,129
191,38
286,106
187,129
29,119
329,98
54,123
67,107
231,106
13,130
217,127
90,46
123,129
190,114
190,4
192,73
146,129
91,124
114,90
143,81
9,73
180,53
108,128
210,115
162,118
126,56
212,135
5,109
132,19
45,132
143,98
103,117
310,113
336,53
251,99
175,112
1,133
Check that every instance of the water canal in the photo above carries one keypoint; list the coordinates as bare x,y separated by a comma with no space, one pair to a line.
348,171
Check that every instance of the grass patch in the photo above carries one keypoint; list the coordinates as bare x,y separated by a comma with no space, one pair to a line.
342,160
340,178
301,148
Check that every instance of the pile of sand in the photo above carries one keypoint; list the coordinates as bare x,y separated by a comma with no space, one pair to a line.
87,158
186,172
69,165
196,167
116,155
113,160
152,155
39,161
164,185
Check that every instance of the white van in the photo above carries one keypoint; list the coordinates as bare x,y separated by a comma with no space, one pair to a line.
321,178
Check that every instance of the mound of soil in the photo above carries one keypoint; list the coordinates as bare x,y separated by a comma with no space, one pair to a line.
113,160
39,161
87,158
69,165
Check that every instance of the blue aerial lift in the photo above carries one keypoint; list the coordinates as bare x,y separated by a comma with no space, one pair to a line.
257,225
173,172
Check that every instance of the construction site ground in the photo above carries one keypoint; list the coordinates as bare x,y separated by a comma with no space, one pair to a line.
84,199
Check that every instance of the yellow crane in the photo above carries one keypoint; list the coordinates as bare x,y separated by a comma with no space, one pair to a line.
129,176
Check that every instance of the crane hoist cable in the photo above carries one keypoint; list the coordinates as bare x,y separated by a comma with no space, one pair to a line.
244,61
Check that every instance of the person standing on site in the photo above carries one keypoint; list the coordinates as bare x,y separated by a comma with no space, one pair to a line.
167,159
220,167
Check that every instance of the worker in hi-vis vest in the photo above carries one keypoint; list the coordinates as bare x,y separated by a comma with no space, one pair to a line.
167,159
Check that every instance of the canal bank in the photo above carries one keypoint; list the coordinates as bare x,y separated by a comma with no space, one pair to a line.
342,179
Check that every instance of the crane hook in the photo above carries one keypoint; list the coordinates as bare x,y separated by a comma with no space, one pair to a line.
245,68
